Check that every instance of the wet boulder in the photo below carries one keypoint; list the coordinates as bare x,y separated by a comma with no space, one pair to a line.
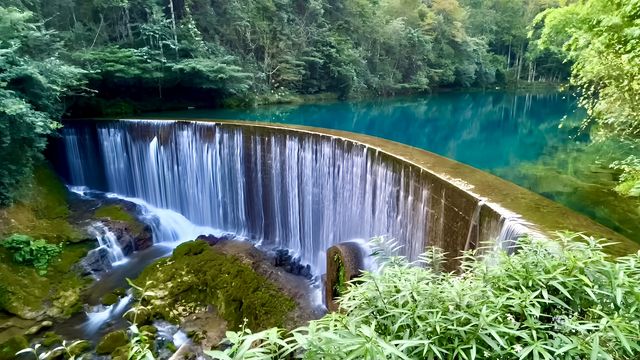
214,240
111,342
95,263
293,265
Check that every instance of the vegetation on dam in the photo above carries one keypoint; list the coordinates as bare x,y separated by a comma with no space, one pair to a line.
562,298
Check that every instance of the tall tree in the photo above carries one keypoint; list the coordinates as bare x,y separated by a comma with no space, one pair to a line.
33,81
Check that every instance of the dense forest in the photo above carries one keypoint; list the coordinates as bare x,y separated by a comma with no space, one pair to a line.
108,58
115,57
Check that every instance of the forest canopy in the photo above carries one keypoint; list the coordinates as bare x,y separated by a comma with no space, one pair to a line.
115,57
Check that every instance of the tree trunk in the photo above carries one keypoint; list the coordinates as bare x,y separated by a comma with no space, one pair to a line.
173,27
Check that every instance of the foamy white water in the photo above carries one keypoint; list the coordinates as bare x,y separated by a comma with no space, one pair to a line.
282,189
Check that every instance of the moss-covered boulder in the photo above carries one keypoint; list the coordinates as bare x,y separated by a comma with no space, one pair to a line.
149,329
121,353
120,292
132,235
109,299
111,342
196,276
139,316
79,347
9,348
42,212
56,294
50,338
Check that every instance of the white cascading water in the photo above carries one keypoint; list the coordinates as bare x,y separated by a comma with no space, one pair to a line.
100,314
107,240
283,189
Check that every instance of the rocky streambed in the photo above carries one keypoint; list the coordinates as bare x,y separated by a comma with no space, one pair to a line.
185,296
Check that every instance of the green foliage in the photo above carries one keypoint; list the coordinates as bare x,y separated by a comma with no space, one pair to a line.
629,184
140,349
30,252
340,287
67,350
32,81
559,299
602,40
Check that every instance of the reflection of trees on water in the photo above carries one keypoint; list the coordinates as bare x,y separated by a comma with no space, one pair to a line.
577,175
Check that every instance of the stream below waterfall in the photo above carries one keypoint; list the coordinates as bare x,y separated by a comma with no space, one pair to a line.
169,229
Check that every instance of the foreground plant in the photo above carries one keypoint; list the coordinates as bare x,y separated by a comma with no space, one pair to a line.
560,299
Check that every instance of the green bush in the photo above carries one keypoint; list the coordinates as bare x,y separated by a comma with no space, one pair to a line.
27,251
629,181
559,299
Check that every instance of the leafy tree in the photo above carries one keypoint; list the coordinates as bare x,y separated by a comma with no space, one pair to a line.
33,81
602,40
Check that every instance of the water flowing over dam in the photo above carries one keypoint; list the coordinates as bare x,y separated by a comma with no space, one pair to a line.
283,187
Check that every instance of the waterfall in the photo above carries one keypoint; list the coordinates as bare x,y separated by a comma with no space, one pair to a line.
282,188
107,240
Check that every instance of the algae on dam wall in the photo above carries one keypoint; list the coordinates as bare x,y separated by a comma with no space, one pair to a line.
306,189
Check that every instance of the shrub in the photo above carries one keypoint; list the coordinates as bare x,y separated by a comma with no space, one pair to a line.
27,251
629,181
559,299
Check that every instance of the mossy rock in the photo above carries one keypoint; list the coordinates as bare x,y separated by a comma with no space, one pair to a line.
118,213
197,275
121,353
9,348
79,347
149,329
120,292
41,211
110,299
111,342
139,316
51,338
32,296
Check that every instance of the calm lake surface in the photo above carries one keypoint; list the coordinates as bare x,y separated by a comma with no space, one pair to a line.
515,136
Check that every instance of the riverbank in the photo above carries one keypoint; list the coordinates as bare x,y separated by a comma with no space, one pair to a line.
104,240
95,107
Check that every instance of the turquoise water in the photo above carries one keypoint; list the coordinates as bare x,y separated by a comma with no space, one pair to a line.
516,136
484,130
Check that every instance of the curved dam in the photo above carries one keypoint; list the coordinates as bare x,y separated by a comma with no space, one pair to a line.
306,189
